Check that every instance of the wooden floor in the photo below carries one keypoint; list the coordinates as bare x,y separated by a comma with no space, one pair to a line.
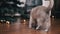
22,28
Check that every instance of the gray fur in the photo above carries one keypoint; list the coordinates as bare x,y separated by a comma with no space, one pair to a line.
43,19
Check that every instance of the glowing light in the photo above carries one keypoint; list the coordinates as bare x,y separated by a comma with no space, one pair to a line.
7,22
53,16
1,20
24,20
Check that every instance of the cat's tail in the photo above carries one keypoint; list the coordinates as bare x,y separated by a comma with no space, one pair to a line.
50,6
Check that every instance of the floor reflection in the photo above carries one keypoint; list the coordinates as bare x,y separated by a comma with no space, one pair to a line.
21,27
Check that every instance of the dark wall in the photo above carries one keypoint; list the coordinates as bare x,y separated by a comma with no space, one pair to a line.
56,9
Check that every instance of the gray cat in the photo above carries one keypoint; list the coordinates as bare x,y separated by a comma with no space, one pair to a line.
42,15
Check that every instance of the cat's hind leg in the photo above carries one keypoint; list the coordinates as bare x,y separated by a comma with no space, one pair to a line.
39,23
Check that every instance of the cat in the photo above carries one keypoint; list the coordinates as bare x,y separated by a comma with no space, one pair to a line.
42,15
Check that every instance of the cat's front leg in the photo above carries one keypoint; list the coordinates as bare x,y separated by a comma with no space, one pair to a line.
30,22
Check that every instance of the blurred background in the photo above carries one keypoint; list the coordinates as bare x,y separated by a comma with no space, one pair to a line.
11,9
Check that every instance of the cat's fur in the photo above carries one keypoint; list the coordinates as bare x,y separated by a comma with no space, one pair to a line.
42,15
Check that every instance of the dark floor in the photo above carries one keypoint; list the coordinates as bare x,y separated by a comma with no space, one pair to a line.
21,27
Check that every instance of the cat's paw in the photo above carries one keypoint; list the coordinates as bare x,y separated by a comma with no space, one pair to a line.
46,30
